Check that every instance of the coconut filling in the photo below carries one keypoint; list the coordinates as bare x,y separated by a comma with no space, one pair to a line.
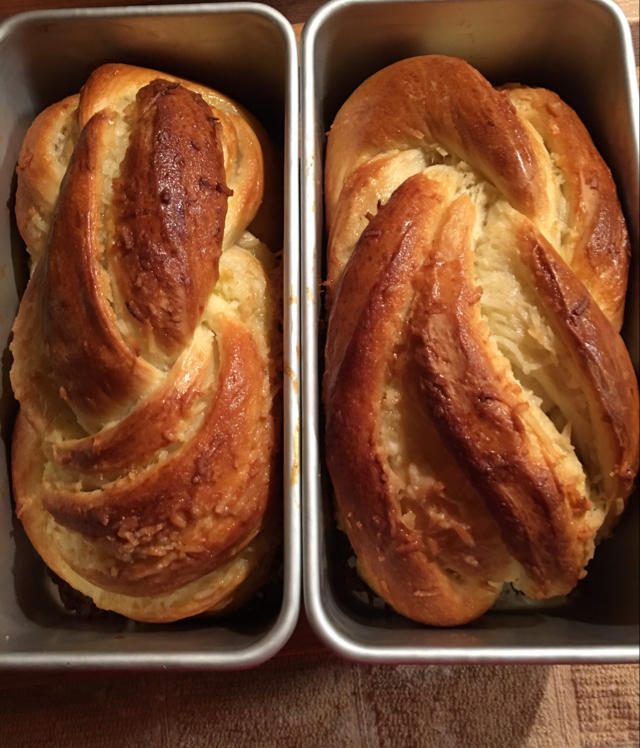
245,300
242,289
454,530
521,339
200,361
524,345
434,498
242,294
210,590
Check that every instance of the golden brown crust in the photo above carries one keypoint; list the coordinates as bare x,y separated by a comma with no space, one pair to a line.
225,471
607,376
468,395
435,100
481,411
174,154
146,357
371,301
596,244
79,330
42,163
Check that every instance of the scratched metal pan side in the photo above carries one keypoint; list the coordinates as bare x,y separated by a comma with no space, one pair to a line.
583,50
248,51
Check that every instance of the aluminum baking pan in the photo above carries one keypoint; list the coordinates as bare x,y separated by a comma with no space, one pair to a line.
249,52
583,50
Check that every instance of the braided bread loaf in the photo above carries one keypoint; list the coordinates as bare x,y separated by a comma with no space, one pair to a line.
481,408
147,347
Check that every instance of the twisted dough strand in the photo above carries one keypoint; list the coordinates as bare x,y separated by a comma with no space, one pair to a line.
146,348
526,143
481,411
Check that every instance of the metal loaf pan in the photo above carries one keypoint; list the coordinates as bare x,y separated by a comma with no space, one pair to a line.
247,51
581,49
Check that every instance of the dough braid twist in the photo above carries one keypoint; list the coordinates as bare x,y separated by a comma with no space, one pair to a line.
481,408
146,348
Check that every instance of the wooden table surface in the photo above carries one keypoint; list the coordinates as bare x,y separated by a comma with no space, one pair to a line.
308,697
